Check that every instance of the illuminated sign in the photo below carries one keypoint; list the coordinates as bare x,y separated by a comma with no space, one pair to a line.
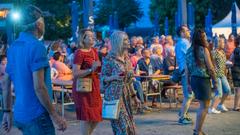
3,13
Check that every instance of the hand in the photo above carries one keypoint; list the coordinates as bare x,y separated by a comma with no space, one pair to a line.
7,121
95,65
189,89
59,121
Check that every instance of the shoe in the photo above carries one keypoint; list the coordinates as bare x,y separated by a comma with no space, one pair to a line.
187,116
147,108
154,105
222,108
184,121
236,109
198,133
213,111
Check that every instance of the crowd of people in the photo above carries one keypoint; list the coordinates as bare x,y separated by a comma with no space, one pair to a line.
112,65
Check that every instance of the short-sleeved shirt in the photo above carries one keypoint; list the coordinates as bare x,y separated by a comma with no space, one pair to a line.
143,66
220,62
25,56
181,48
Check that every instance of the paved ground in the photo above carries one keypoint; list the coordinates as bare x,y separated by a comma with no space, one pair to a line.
164,122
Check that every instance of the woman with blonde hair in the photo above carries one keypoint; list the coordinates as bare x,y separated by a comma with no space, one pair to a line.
115,78
86,65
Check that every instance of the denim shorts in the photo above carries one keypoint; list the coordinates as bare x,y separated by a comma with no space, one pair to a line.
223,87
41,125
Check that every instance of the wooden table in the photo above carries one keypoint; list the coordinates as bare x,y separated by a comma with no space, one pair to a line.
63,84
155,77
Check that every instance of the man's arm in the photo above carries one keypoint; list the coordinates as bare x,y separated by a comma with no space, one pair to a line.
7,103
42,94
41,90
7,92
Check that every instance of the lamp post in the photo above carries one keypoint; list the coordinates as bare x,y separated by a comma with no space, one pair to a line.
15,17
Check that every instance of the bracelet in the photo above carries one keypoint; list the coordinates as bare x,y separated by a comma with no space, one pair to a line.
7,110
90,70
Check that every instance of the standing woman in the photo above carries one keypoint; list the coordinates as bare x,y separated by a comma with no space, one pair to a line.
223,88
86,64
201,70
236,73
115,75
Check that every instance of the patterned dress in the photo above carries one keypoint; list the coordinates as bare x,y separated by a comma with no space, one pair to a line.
115,90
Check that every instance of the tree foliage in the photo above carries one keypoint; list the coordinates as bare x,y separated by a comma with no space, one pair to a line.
129,11
167,8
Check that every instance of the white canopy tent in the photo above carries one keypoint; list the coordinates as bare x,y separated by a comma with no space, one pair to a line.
225,25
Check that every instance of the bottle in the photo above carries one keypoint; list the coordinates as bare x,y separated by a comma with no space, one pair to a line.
150,69
137,70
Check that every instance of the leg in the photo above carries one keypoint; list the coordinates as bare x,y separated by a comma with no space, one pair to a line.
93,125
236,99
216,99
201,115
84,128
225,89
187,98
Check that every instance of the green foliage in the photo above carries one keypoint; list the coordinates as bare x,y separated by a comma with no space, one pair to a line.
167,8
129,11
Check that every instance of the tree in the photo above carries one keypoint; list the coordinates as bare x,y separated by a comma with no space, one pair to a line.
129,11
167,8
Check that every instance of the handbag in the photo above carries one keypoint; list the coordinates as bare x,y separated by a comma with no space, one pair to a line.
111,109
84,85
176,75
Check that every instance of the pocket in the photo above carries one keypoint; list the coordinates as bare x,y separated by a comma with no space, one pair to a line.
46,125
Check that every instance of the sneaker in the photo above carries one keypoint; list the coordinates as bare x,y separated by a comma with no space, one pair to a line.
222,108
147,108
187,116
213,111
184,121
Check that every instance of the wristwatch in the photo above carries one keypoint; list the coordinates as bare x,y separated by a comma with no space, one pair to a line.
7,110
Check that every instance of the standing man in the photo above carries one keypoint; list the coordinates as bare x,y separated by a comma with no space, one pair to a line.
28,69
181,48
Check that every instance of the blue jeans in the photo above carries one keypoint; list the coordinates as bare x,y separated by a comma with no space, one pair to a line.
186,93
223,87
41,125
138,87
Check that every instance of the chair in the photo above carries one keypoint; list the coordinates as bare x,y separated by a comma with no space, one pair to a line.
172,91
64,91
149,92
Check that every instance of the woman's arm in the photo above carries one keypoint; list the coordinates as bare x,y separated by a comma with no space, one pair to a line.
77,72
210,66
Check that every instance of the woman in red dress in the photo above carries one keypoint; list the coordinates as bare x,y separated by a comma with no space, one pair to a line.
86,64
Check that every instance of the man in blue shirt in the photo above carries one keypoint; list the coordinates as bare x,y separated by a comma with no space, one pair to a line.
181,48
28,69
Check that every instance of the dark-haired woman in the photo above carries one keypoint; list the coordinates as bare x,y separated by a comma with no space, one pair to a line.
201,70
236,73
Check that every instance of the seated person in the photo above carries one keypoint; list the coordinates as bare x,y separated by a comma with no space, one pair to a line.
136,56
157,57
148,67
169,61
64,72
168,68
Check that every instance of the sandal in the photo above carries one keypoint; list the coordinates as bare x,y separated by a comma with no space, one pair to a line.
198,133
236,109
